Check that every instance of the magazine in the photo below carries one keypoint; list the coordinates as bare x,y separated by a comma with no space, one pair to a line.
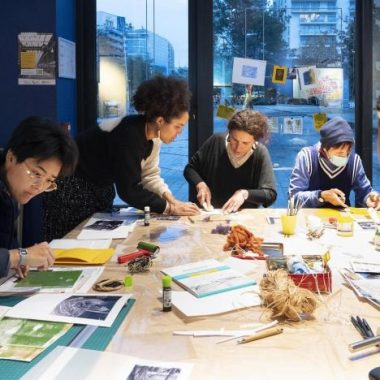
204,278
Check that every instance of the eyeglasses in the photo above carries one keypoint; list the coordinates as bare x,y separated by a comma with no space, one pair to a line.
38,179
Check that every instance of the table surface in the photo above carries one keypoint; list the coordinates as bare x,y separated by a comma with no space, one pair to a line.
309,349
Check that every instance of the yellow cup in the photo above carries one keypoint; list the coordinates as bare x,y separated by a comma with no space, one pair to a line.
289,223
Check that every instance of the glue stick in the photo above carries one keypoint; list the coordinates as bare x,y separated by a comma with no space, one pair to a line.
166,293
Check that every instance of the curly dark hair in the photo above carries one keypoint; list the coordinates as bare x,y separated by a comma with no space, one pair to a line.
168,97
252,122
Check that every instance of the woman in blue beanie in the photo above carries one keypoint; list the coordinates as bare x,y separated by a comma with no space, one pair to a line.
325,173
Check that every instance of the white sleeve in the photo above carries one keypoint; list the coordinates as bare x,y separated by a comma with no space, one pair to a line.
150,171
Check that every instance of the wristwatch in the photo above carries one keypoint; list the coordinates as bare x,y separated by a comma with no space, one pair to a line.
23,252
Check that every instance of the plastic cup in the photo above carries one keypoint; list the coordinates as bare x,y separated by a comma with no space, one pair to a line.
289,224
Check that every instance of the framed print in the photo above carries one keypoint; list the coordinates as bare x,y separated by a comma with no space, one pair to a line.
248,71
279,74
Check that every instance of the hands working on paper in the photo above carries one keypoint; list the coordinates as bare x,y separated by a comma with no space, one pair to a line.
373,200
234,203
183,208
334,196
204,195
39,256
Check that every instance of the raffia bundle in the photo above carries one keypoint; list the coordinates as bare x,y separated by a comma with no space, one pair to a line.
241,237
286,300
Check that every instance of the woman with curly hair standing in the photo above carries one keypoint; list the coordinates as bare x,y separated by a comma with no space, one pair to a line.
124,152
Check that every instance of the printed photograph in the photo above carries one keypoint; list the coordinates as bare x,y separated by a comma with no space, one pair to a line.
104,225
249,71
279,74
91,307
143,372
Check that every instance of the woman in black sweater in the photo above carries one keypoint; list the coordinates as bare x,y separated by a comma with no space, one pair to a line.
234,170
125,153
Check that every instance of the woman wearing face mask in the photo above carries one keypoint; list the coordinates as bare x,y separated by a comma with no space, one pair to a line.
124,152
325,173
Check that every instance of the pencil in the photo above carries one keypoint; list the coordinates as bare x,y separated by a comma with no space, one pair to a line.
261,334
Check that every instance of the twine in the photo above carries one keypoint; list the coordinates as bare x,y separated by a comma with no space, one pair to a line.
286,300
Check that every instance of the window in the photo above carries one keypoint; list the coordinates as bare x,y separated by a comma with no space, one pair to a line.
279,35
136,40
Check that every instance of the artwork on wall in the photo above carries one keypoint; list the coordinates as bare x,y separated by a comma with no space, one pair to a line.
36,59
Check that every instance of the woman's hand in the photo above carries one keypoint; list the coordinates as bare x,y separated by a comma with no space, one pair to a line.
234,203
183,208
204,195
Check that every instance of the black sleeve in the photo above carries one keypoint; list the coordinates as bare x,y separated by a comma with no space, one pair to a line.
4,262
128,152
195,170
265,193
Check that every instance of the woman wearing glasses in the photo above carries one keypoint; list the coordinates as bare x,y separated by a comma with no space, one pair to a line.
37,153
124,152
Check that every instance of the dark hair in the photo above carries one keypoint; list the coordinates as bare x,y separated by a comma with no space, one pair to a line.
42,139
168,97
252,122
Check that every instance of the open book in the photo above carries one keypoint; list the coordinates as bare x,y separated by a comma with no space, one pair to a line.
208,277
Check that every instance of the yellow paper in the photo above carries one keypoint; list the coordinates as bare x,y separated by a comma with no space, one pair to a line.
28,60
319,119
359,211
225,112
82,256
328,213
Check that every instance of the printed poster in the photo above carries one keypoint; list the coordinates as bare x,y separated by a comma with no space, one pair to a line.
36,59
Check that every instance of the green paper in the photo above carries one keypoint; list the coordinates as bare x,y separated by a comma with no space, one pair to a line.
51,279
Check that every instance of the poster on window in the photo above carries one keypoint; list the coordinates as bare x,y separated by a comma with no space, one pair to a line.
307,76
273,124
36,59
248,71
293,125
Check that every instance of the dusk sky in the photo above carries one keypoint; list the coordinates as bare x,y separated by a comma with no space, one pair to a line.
170,21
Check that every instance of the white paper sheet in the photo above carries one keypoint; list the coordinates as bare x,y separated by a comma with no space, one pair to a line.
74,308
78,363
75,243
216,304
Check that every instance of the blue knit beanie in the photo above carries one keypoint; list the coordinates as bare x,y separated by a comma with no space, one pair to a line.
336,131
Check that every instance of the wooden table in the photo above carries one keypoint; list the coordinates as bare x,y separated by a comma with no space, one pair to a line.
314,349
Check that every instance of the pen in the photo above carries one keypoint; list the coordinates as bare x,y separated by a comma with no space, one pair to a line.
358,327
363,327
368,329
262,334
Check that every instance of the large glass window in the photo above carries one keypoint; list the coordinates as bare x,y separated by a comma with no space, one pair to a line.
136,40
314,40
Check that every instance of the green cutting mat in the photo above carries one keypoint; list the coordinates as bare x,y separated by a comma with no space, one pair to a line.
99,340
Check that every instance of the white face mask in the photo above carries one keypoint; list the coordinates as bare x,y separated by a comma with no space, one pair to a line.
338,161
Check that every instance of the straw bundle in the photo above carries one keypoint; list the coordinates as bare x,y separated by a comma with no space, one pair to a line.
284,298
